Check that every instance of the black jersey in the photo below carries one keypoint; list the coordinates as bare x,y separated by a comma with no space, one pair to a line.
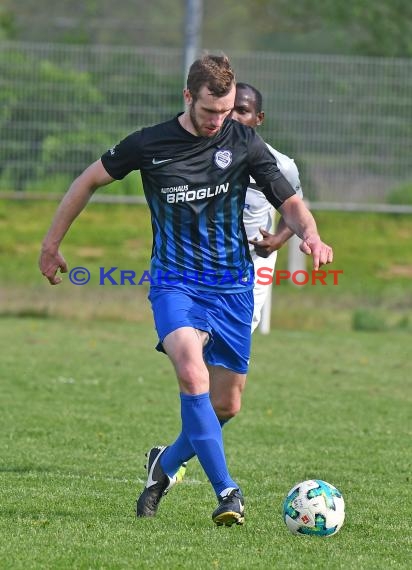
195,188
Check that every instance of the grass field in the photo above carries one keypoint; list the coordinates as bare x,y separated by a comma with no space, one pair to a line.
82,400
84,395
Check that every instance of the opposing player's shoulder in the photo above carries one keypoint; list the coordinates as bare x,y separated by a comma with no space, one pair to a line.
283,160
288,168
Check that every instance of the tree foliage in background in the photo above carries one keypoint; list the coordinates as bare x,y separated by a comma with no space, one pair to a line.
362,27
57,129
48,94
7,24
63,109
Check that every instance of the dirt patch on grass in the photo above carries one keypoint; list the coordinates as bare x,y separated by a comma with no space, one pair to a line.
397,271
90,252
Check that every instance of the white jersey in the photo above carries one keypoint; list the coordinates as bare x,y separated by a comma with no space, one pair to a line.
258,212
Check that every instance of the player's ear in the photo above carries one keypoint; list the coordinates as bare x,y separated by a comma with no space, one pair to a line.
260,118
187,96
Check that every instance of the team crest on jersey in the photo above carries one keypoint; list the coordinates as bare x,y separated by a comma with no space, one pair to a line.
223,158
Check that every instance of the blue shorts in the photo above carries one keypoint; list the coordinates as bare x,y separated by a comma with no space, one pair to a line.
227,317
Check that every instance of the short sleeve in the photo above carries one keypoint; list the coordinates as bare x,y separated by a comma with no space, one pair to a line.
124,157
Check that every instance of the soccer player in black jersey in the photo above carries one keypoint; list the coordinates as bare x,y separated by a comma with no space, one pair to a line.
195,170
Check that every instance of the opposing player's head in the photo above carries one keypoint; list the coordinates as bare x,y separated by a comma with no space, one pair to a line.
210,94
248,105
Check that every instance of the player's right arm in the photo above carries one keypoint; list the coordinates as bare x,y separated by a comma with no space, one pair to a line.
73,202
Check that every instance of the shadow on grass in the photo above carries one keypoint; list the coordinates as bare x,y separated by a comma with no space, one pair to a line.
27,313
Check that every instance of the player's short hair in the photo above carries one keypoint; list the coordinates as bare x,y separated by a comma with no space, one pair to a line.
257,93
214,71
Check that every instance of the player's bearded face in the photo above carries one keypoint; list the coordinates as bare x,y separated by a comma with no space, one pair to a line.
207,113
194,119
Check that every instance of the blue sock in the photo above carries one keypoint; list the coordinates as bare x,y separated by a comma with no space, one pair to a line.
176,454
179,452
202,433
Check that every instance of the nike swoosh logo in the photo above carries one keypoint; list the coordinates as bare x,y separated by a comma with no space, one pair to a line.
150,480
155,161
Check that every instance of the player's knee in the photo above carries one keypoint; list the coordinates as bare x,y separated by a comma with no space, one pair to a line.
192,379
225,410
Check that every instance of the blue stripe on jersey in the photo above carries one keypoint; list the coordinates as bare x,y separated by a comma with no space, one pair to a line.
214,219
163,248
156,216
196,259
201,238
242,255
177,242
228,222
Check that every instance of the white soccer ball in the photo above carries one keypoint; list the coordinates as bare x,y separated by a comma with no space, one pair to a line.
314,508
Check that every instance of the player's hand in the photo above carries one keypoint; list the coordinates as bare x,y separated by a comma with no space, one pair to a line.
50,263
321,252
267,245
